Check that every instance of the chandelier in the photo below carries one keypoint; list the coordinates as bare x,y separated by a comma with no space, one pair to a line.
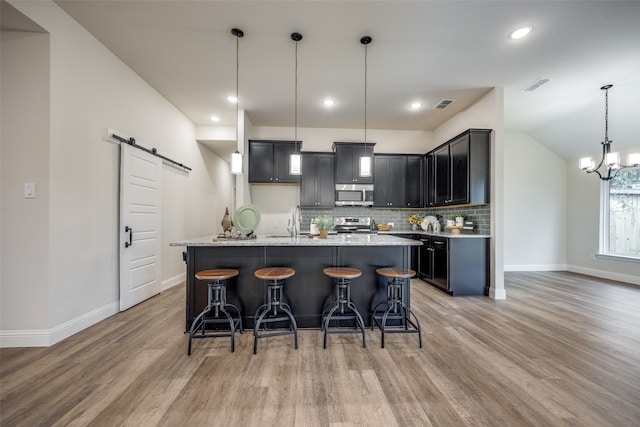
610,162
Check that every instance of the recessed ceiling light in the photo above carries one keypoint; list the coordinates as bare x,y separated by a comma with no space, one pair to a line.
415,105
232,99
215,118
521,32
328,102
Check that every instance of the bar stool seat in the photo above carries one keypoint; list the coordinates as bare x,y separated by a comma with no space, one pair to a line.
274,309
396,307
338,309
216,307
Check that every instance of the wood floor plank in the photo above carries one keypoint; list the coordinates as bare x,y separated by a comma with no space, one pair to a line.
562,350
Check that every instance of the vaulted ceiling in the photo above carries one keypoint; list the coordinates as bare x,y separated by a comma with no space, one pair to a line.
422,51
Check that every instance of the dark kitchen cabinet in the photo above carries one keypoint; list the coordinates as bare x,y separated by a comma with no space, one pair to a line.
415,182
415,250
269,161
390,181
429,180
398,181
317,188
348,162
460,172
458,266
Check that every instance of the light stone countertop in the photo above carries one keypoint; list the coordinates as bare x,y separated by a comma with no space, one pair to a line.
441,234
303,240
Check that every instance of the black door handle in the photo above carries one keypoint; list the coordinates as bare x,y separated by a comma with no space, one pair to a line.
129,230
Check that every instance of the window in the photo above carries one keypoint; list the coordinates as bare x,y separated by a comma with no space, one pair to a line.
621,215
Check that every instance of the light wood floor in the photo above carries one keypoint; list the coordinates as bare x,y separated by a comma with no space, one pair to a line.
562,350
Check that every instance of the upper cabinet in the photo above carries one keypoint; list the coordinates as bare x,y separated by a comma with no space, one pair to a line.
457,172
348,162
269,161
317,185
398,181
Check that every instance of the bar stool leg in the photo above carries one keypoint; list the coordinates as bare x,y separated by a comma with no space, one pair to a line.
270,312
343,299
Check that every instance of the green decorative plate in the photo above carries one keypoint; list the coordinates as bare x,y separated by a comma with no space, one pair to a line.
247,218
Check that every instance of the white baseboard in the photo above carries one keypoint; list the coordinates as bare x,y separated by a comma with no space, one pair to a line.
173,281
44,338
536,267
626,278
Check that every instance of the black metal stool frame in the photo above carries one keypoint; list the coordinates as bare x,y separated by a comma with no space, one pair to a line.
217,297
342,300
269,313
396,309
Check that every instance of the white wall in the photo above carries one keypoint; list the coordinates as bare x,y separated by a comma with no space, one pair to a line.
583,226
535,206
24,230
90,90
317,139
487,113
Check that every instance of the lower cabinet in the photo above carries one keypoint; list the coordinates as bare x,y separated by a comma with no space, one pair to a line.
458,266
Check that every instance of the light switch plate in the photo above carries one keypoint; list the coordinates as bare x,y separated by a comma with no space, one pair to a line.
29,190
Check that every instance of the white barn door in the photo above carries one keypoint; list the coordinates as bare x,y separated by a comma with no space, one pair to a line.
140,202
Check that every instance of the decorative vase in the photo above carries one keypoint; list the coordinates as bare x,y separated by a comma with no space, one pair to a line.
226,223
323,234
414,227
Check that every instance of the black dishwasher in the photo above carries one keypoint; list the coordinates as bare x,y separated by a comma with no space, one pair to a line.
440,265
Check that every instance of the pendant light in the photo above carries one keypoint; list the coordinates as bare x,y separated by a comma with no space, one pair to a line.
236,158
365,161
295,159
610,160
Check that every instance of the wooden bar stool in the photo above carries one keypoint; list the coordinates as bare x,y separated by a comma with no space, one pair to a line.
339,308
274,309
216,307
396,307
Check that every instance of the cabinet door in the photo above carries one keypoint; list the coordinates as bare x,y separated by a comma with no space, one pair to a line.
309,180
381,182
429,180
317,188
441,174
397,181
414,182
260,161
348,163
325,188
459,155
440,263
281,156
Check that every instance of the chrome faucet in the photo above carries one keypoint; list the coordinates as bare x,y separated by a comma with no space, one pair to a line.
293,226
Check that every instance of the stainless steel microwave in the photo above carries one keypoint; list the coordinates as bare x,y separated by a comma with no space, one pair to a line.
354,194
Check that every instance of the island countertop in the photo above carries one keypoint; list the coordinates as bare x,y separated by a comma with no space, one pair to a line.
303,240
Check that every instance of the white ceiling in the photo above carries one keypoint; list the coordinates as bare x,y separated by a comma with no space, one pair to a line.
421,50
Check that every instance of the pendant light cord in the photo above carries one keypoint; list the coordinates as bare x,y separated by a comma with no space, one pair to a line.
295,114
606,116
237,82
365,95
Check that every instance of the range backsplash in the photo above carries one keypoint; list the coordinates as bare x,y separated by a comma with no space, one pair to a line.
480,214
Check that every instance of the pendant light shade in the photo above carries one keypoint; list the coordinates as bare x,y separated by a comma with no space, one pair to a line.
365,169
236,163
295,159
236,157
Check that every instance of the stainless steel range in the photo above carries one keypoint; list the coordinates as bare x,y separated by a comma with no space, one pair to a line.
361,225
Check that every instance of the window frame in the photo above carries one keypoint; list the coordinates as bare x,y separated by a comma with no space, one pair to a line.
604,238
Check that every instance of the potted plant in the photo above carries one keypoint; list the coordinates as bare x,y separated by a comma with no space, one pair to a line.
324,224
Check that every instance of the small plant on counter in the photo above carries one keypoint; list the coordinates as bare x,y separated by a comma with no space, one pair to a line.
324,222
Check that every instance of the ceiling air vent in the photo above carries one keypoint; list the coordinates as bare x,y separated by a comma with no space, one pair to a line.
443,104
535,85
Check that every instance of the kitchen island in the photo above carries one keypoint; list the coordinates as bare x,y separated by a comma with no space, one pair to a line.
308,289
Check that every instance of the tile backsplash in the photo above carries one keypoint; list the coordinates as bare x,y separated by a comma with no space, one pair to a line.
480,214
